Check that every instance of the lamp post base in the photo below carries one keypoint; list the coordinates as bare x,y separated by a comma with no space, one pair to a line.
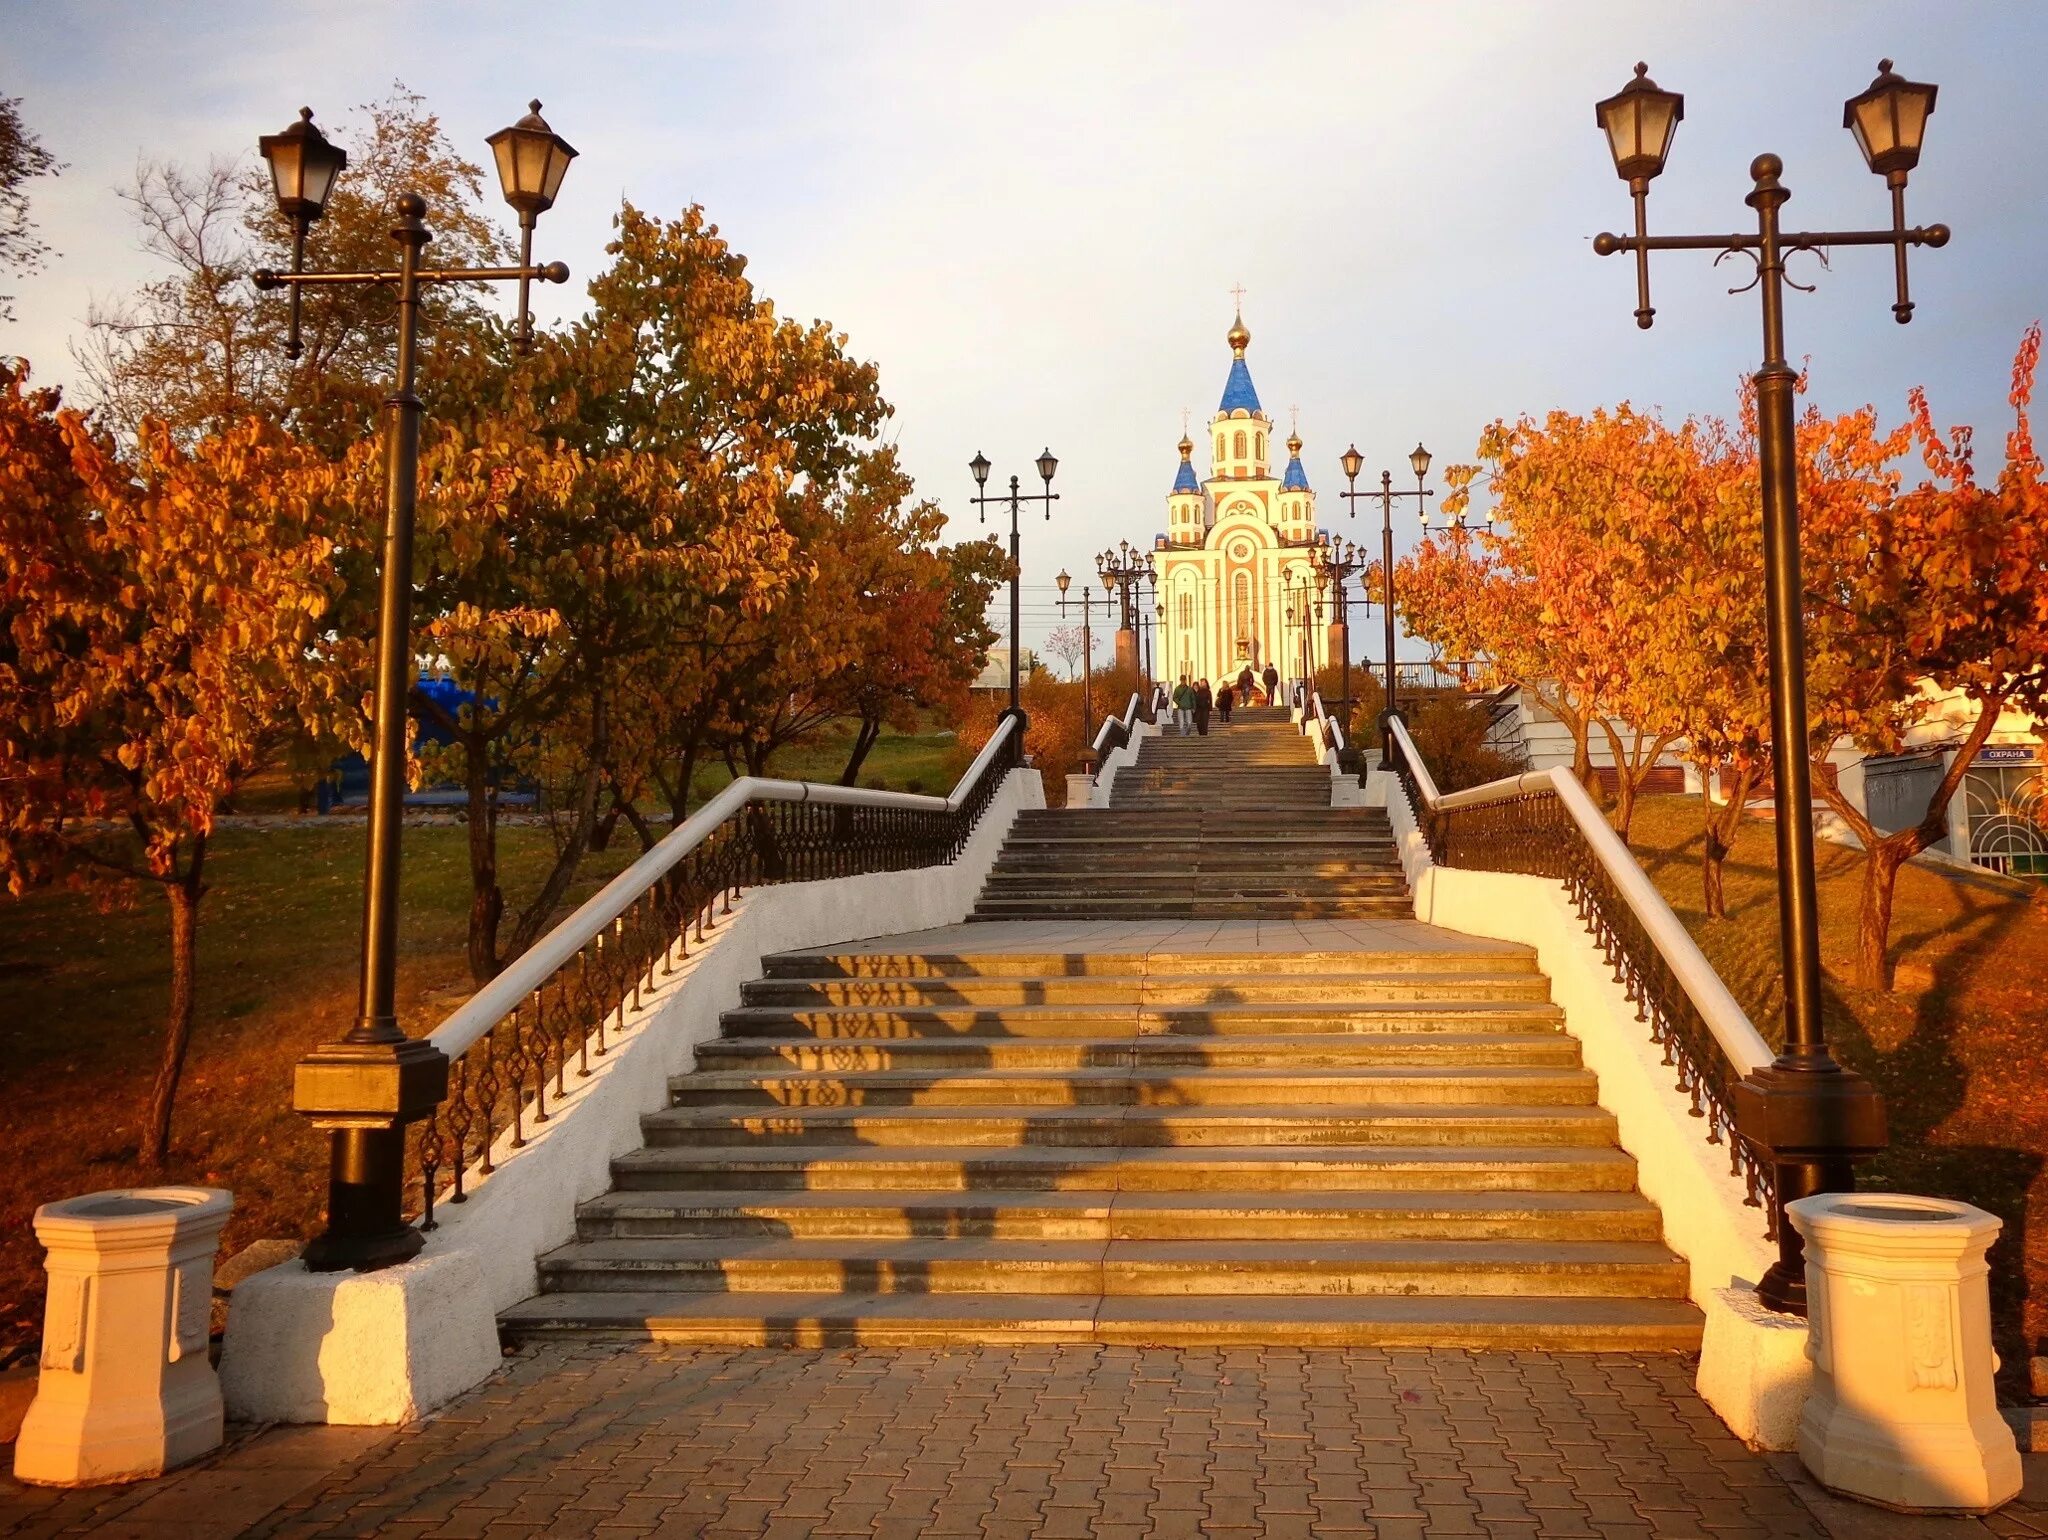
365,1094
1812,1121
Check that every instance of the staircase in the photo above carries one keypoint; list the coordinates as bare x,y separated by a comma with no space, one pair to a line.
1266,1128
1235,825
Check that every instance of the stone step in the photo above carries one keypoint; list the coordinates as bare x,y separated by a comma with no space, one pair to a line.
1190,885
1274,988
975,1265
1173,862
1317,1051
1103,1216
1198,909
1463,960
1478,1323
1132,1127
1228,1019
1397,1085
838,1168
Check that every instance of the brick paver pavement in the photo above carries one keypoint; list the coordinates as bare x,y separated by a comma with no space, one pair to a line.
1075,1442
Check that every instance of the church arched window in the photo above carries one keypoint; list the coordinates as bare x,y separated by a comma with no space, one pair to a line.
1262,446
1240,443
1187,611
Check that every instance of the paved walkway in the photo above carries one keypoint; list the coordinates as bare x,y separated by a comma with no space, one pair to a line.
1056,1442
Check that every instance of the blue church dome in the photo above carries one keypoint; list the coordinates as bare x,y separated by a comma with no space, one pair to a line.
1185,481
1238,392
1295,479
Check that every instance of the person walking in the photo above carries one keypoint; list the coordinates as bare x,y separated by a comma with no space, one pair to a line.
1224,701
1183,706
1271,679
1244,685
1204,701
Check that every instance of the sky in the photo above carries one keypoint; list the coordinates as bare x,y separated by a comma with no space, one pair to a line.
1032,216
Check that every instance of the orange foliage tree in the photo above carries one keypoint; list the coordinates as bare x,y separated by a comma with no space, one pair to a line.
163,637
1939,591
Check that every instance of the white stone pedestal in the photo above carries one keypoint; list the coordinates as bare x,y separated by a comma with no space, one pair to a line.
1080,791
127,1389
1903,1411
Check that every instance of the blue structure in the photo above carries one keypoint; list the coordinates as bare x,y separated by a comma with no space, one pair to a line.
1238,392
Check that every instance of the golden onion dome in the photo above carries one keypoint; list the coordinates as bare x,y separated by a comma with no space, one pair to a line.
1239,338
1294,443
1187,446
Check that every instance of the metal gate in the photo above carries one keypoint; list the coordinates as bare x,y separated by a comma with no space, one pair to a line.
1897,790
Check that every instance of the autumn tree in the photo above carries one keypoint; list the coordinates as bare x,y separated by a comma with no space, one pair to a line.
1939,591
162,615
201,347
760,417
22,160
910,613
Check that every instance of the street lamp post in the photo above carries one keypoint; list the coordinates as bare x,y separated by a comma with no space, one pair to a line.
1046,466
1338,560
1813,1118
1418,461
365,1089
1087,666
1123,568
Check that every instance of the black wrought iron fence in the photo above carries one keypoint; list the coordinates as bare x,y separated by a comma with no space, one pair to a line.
1529,830
515,1054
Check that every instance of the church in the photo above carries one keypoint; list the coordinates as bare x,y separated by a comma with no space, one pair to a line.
1235,569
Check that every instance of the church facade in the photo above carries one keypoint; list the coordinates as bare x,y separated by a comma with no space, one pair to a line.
1236,574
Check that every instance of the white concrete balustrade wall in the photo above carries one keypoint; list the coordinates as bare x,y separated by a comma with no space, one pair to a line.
1753,1366
383,1347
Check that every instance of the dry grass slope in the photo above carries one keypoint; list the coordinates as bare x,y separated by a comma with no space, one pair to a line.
1960,1049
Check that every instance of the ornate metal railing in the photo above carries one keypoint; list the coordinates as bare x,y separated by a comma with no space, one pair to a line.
1545,825
515,1046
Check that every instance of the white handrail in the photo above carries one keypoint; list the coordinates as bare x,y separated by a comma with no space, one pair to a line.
1129,720
1332,730
1725,1018
533,967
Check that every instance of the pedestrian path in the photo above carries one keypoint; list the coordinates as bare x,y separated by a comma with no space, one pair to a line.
1066,1443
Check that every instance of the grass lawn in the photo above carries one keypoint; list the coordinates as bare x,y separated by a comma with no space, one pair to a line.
920,761
1960,1050
82,996
82,1028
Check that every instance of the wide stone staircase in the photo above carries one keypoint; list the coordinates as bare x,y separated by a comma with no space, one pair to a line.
1259,1129
1237,824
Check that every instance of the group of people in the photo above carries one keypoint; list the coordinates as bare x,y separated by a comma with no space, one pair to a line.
1193,701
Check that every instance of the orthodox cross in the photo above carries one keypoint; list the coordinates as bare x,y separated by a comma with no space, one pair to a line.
1237,292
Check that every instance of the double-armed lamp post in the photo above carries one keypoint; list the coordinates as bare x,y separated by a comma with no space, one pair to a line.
1354,462
1123,568
367,1087
1337,561
1046,466
1813,1118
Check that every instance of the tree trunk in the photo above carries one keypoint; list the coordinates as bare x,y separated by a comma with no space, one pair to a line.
1874,923
1888,852
486,901
641,827
534,918
865,739
184,896
1723,828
